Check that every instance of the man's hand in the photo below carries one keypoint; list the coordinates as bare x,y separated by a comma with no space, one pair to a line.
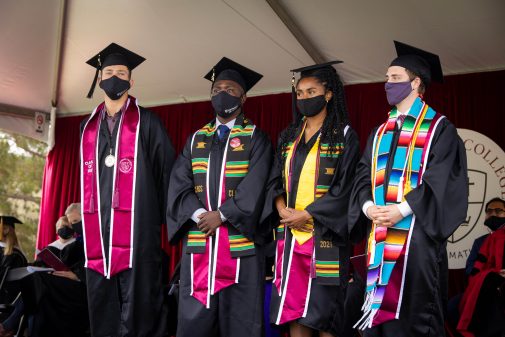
67,274
502,273
298,220
387,216
209,222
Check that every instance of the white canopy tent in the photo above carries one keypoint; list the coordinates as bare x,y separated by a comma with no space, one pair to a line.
45,44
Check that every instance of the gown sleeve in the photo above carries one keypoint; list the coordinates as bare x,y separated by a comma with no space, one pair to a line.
244,210
361,192
183,201
440,202
330,210
161,157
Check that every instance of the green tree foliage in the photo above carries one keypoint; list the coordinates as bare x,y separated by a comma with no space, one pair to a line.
21,180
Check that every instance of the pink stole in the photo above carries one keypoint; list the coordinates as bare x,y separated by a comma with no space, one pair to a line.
123,194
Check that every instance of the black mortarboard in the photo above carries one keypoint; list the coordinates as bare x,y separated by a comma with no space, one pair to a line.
422,63
113,54
227,69
9,220
305,72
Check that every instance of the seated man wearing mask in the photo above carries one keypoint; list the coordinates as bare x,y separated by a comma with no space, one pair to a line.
482,307
217,192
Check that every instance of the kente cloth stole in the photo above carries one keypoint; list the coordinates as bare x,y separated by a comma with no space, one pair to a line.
388,246
122,210
216,265
309,257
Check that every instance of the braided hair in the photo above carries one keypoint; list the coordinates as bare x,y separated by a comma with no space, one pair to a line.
332,131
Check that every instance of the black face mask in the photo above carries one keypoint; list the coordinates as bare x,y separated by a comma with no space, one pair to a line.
77,227
225,104
310,107
115,87
65,232
494,222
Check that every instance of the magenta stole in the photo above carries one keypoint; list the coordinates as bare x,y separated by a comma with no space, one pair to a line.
123,194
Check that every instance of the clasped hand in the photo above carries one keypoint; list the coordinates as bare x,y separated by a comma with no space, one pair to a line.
385,216
209,222
296,219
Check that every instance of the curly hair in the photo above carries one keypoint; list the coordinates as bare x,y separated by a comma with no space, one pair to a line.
332,131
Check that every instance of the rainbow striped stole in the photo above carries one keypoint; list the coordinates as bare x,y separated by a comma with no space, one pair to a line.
387,245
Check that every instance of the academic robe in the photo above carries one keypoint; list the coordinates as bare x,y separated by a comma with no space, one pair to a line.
131,302
326,302
440,205
58,304
482,306
237,309
15,260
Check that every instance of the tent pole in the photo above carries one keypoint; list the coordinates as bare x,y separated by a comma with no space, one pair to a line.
59,52
297,32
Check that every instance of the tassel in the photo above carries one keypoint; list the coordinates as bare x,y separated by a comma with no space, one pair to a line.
93,85
293,99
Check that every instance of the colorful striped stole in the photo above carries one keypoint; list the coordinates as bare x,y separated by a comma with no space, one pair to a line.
223,250
388,246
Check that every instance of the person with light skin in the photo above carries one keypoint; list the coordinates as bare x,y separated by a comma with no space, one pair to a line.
73,214
216,191
482,304
126,159
310,185
411,183
65,237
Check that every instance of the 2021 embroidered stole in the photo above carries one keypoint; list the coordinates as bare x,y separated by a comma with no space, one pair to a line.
310,256
216,259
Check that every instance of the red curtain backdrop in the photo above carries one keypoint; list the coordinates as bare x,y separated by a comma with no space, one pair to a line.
471,101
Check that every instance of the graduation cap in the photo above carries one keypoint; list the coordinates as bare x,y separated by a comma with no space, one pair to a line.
306,72
422,63
227,69
7,220
112,55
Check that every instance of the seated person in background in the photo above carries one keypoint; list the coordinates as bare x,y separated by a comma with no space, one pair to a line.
58,300
482,307
11,257
494,208
73,214
65,238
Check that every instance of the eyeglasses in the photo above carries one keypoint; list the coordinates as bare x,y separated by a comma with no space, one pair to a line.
497,211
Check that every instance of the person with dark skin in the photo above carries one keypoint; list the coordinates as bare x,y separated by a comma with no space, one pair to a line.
217,191
309,187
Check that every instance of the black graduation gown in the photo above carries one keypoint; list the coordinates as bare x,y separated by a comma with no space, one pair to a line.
326,303
15,260
131,302
58,304
236,310
440,206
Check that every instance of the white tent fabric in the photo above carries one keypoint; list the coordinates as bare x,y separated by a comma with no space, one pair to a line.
183,39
